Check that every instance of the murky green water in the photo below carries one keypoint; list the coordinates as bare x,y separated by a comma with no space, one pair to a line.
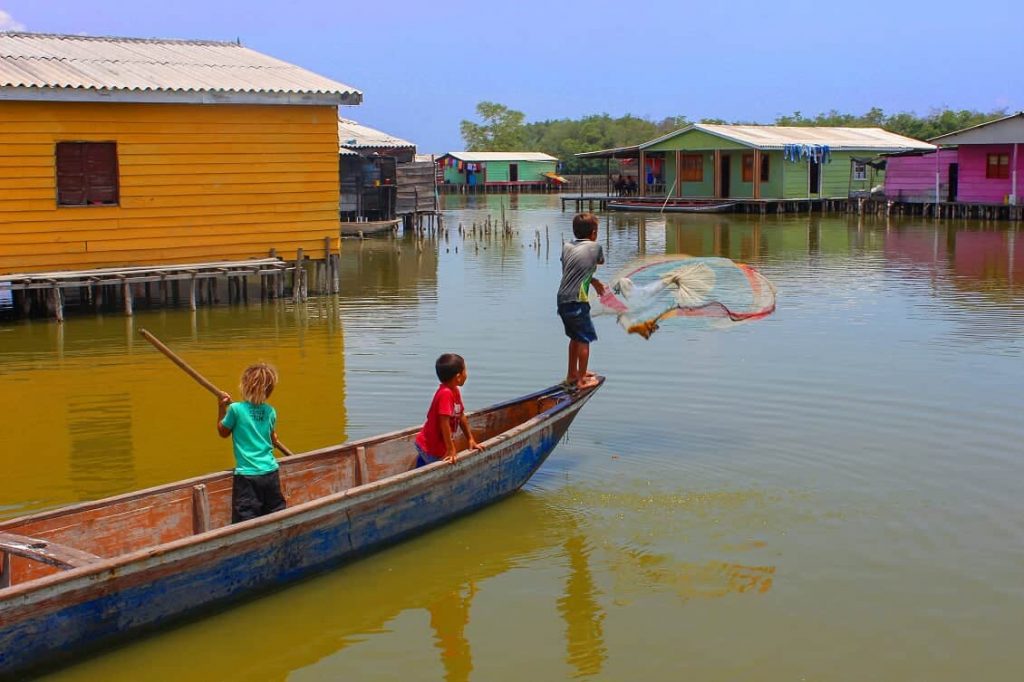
828,494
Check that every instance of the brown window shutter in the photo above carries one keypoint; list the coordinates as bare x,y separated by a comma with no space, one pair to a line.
87,173
101,172
71,185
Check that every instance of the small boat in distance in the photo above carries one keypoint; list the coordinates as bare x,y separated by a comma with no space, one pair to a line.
367,228
89,574
672,206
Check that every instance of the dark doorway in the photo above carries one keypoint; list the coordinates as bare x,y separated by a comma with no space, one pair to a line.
954,179
724,174
513,172
814,177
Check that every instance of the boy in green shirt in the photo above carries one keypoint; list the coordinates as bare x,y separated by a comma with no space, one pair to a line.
252,425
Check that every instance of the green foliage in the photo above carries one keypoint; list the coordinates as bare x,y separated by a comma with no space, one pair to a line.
936,122
503,129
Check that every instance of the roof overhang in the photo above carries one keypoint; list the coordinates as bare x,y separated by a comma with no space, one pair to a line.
631,152
178,96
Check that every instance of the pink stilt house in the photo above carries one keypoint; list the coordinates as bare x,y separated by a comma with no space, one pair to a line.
990,163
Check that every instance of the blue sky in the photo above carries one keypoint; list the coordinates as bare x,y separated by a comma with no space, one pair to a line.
423,66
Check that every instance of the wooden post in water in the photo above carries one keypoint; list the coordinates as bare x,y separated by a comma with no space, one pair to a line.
58,304
127,299
192,292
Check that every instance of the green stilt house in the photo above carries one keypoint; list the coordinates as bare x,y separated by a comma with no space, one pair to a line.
707,161
497,171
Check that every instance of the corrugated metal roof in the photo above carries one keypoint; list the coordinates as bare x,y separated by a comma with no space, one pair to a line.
352,135
46,61
777,137
501,156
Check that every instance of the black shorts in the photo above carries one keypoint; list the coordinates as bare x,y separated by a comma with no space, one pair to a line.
253,496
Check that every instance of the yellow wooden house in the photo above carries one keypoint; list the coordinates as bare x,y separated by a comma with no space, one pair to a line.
128,152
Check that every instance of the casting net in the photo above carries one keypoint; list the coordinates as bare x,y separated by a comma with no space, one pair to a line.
655,289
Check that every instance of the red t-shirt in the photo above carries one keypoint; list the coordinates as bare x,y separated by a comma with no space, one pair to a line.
447,404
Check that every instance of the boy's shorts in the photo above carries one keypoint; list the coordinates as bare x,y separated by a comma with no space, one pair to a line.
576,318
253,496
423,458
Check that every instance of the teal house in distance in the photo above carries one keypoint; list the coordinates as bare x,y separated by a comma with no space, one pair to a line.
497,171
710,161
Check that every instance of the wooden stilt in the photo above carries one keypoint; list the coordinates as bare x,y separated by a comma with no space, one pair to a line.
128,309
58,304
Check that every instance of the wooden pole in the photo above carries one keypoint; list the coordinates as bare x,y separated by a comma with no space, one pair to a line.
128,299
58,304
757,173
173,357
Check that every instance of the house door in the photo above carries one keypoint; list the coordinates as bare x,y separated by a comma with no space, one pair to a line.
954,178
814,177
513,172
723,176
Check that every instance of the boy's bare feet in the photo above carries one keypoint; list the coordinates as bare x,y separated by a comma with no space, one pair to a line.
587,382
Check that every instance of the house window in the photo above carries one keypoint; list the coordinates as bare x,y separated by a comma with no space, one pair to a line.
998,166
692,168
748,168
87,174
860,171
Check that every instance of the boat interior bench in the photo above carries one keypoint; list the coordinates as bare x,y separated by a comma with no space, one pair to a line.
43,551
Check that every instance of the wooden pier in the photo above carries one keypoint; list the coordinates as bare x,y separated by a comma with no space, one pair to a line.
599,202
944,210
193,284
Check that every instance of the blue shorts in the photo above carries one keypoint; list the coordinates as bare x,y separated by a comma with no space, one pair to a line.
422,458
576,318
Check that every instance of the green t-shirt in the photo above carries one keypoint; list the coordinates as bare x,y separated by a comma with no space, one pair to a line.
251,426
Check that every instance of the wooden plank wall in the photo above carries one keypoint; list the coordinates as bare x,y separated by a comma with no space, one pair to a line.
415,187
197,182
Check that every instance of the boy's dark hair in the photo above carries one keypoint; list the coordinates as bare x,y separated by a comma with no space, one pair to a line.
583,225
448,366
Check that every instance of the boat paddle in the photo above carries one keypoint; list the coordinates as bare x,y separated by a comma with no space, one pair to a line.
189,370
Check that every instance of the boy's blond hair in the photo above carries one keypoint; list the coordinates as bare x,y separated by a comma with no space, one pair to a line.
258,382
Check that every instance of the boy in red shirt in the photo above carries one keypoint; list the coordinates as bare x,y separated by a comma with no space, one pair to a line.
436,440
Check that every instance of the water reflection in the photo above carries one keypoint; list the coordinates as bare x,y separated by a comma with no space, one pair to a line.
105,413
584,618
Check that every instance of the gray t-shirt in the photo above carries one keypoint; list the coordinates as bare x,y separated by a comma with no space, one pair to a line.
580,259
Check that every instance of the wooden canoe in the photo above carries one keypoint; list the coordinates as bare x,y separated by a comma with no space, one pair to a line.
369,227
87,575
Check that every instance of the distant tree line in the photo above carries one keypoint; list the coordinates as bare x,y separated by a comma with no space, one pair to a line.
503,129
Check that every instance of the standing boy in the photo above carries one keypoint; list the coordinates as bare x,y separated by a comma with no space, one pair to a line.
252,426
436,440
580,259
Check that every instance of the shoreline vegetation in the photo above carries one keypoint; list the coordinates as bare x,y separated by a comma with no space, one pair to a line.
501,128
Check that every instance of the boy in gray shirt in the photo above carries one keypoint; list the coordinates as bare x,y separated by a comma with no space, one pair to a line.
580,259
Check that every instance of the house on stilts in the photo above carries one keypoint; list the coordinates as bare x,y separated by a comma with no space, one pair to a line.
977,172
383,179
146,153
497,171
754,163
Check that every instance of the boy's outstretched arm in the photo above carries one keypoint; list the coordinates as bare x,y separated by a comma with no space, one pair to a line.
598,285
473,445
222,409
279,445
